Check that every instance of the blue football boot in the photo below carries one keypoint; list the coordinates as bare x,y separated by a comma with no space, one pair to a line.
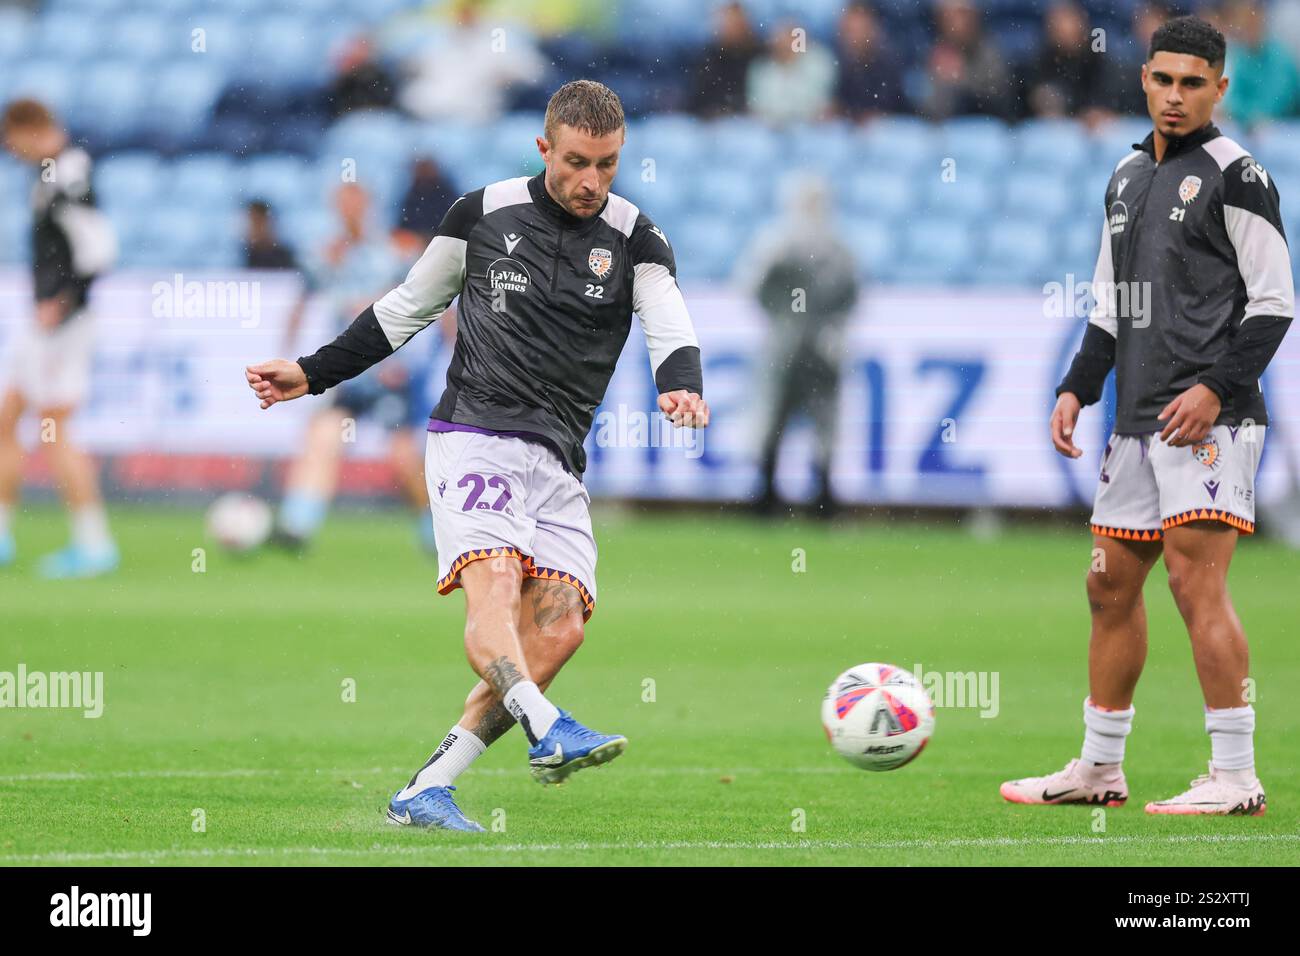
568,746
75,562
431,808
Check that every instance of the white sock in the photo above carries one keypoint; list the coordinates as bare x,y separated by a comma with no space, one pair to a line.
533,711
90,529
1232,738
458,750
1104,733
5,512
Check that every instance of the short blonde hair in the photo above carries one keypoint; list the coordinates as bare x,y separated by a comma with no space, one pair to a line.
585,105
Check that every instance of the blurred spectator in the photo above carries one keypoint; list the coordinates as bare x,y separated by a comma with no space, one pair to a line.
1263,83
427,200
1068,78
360,83
1127,57
263,250
804,277
466,70
965,72
718,80
793,82
262,247
870,78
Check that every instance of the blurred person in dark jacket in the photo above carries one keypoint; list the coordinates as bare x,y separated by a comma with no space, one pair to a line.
870,78
804,277
965,72
1070,77
427,200
718,84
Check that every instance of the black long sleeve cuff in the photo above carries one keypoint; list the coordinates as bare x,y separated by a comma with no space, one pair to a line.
1092,363
681,369
359,346
1252,348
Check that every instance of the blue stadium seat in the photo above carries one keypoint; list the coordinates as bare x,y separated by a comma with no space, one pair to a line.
207,182
936,251
969,197
902,142
108,104
881,191
70,36
1081,241
49,80
1059,145
874,243
1020,251
129,179
450,144
1048,195
1115,140
286,49
184,95
976,142
147,36
741,143
16,31
723,191
671,140
827,147
282,179
706,246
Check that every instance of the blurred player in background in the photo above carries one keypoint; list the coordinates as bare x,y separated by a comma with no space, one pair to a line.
349,272
805,278
549,270
1194,294
47,371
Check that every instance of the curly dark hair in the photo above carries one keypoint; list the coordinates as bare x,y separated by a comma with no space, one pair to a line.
1190,35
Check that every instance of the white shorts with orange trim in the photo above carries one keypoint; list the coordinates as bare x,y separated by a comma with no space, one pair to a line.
1147,487
495,495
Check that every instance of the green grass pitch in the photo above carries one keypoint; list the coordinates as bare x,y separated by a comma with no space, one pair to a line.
224,693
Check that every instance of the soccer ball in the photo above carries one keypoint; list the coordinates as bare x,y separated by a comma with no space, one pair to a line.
877,716
239,522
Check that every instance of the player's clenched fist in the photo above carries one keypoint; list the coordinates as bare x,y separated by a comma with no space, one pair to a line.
1064,417
278,380
684,408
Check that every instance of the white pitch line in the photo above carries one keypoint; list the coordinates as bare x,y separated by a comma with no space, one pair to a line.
388,850
74,775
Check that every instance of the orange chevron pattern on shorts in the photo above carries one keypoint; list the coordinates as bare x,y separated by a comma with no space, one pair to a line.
1210,514
550,574
1128,534
452,581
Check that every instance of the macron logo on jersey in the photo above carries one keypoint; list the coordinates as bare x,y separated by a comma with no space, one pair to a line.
660,233
511,241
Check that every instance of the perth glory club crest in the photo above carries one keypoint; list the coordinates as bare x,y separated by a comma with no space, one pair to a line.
600,261
1189,189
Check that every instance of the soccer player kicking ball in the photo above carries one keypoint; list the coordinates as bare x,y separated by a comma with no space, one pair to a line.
549,271
1193,232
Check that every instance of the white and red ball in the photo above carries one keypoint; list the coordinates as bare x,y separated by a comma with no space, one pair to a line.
240,522
877,716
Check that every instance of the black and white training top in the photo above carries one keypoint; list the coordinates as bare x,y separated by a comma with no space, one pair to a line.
546,303
1193,283
72,240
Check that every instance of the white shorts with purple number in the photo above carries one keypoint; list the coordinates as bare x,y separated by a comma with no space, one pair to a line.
495,495
1147,487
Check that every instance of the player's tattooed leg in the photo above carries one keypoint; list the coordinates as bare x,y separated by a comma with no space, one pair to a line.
493,724
502,674
553,601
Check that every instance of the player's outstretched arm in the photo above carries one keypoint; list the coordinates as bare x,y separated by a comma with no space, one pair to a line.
684,408
278,380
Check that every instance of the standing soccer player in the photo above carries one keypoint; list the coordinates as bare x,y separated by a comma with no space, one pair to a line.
549,270
48,368
1193,237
